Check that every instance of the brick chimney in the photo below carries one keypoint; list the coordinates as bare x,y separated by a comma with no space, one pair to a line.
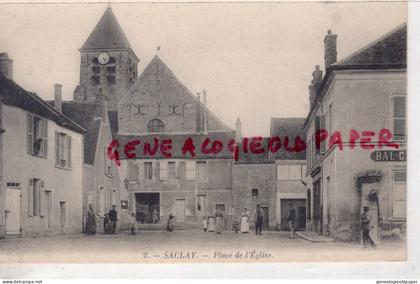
6,66
238,130
311,94
330,49
58,100
315,83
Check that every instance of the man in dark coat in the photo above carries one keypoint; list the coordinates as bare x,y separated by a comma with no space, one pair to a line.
112,215
259,219
291,219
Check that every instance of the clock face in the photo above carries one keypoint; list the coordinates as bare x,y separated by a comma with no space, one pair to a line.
103,58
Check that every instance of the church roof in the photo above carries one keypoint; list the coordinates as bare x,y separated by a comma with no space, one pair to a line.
107,34
159,81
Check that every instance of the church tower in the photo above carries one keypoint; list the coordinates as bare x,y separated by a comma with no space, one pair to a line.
108,65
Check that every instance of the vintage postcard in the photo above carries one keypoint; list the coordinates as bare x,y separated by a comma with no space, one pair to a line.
205,132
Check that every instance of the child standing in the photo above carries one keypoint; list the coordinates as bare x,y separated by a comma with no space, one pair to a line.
204,223
133,223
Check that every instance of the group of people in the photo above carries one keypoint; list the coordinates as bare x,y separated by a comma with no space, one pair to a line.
109,224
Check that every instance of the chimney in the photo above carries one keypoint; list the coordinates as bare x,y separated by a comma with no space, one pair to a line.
238,132
58,101
199,122
6,66
205,112
311,94
316,76
330,49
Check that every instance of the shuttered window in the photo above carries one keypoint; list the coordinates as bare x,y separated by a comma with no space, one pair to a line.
62,150
36,197
148,170
37,135
133,171
399,117
172,170
163,170
202,171
399,204
190,170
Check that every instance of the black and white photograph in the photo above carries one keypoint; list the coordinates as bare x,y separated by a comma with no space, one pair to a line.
176,132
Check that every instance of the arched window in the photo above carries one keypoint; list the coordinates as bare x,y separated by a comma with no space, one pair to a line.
155,125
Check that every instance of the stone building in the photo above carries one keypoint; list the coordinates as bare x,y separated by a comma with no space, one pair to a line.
41,164
108,64
360,102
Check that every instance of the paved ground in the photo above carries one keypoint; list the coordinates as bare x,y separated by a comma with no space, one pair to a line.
188,246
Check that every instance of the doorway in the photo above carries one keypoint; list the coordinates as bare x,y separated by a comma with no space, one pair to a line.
48,208
266,221
148,207
63,216
300,208
317,206
180,210
12,211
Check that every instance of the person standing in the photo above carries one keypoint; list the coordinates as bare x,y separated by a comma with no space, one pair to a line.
365,220
155,216
245,221
259,218
291,219
204,223
219,221
113,218
106,224
90,227
210,223
133,224
171,223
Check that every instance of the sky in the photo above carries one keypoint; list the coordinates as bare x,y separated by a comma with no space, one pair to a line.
254,60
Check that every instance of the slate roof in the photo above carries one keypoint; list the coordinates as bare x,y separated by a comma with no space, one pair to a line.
157,73
107,34
390,49
84,114
251,158
14,95
292,128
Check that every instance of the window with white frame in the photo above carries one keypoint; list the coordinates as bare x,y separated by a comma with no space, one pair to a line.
202,171
399,194
37,135
289,172
163,170
35,197
190,170
62,150
399,117
148,170
172,170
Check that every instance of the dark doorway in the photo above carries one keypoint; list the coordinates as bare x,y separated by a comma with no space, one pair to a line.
317,206
148,207
266,221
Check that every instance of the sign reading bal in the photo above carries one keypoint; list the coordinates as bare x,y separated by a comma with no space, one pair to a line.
389,156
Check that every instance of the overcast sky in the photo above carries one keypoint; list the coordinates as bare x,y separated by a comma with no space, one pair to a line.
254,60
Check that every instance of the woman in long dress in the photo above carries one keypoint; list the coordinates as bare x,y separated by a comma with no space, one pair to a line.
245,221
210,221
90,227
219,222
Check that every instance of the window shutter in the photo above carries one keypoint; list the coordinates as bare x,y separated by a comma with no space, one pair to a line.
30,132
42,202
163,170
132,172
44,137
57,148
140,170
68,151
322,126
30,197
190,170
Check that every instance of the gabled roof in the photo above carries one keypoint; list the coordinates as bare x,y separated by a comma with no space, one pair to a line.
159,81
107,34
84,114
14,95
292,128
390,49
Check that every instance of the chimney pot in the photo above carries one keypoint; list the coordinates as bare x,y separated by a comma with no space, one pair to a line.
330,49
58,101
6,66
